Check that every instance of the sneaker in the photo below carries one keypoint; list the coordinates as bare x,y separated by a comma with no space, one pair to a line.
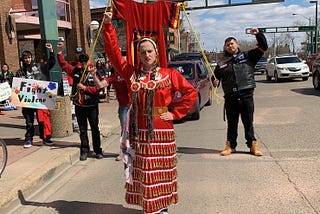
48,142
99,156
83,157
27,144
7,108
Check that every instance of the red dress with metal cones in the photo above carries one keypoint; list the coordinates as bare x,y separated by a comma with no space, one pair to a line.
154,176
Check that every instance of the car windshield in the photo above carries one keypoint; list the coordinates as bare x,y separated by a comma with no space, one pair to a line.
284,60
185,69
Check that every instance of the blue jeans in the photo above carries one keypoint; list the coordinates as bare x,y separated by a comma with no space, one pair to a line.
122,114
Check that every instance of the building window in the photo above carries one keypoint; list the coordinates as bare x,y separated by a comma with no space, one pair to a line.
63,10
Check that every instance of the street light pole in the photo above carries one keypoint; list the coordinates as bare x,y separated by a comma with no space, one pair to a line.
316,32
309,40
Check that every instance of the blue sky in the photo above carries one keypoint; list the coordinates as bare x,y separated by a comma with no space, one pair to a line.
214,25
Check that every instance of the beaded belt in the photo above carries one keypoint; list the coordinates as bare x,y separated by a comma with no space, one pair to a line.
157,111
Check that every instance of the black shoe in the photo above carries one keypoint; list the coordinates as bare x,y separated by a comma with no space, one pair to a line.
83,157
48,142
99,156
164,211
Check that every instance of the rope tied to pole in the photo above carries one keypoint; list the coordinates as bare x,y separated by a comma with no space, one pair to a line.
93,47
215,88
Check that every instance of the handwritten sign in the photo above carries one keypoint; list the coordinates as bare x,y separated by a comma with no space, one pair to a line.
5,91
34,93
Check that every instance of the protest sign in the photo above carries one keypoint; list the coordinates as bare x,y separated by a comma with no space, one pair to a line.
34,93
5,91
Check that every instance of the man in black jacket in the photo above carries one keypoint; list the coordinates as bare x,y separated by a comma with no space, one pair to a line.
236,73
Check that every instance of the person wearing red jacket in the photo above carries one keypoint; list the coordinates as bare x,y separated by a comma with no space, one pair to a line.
150,160
85,98
122,94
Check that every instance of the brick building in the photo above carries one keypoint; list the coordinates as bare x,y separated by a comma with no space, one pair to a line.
20,29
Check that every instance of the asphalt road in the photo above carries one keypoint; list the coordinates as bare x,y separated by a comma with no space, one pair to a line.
284,180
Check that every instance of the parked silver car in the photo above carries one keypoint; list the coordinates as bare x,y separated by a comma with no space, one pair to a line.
261,65
286,67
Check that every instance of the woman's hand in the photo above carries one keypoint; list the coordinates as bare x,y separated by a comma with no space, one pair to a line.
81,86
166,116
92,70
108,17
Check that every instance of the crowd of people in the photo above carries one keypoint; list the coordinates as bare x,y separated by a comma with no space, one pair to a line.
144,93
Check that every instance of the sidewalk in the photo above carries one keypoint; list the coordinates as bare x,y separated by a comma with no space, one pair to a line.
27,169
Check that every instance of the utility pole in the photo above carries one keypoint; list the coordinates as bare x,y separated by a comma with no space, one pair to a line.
316,23
49,34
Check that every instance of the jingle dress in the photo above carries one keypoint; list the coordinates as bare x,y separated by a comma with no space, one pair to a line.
154,176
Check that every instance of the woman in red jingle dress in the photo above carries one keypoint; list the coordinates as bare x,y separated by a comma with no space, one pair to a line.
151,134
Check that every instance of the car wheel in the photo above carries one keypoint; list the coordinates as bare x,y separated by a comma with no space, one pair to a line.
209,102
268,78
316,80
305,78
276,78
196,114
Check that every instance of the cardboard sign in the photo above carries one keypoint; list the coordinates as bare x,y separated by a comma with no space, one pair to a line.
34,93
5,91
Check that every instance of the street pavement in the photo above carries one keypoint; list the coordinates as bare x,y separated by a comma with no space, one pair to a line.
29,168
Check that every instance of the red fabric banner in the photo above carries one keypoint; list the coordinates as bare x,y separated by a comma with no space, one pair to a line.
147,20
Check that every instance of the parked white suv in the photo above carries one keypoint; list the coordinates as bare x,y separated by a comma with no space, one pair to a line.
287,67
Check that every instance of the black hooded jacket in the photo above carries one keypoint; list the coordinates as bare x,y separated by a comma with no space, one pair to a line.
35,70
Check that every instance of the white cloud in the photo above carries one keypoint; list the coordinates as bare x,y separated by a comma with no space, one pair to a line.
219,23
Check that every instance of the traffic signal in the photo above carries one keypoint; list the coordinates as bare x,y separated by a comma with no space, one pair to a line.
262,30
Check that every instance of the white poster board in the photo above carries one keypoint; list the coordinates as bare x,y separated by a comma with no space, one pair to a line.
34,93
5,91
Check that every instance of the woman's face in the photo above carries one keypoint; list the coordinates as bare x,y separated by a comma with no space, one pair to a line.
4,68
147,54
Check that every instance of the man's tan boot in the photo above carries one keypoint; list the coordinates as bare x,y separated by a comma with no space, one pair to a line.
254,149
228,150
